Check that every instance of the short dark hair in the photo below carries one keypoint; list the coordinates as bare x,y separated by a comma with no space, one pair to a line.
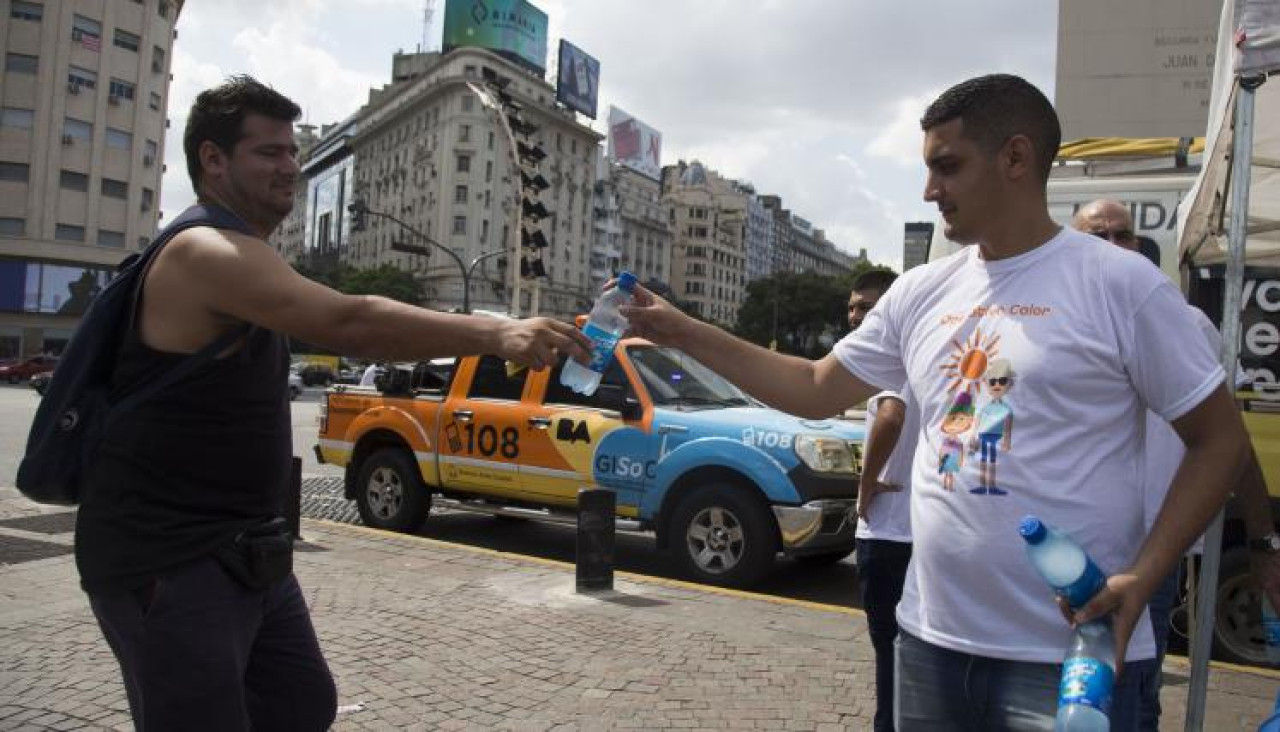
218,116
875,279
996,107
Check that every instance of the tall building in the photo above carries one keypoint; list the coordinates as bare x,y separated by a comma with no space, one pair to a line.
646,240
82,126
761,241
915,244
708,216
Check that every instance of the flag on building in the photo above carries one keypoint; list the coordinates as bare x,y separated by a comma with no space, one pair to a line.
91,42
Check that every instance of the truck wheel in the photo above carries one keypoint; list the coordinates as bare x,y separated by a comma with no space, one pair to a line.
389,492
1237,627
723,534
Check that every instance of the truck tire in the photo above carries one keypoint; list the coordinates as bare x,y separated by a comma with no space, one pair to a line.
723,534
1237,627
389,492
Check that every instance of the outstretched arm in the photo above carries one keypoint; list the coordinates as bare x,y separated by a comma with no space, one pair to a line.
822,388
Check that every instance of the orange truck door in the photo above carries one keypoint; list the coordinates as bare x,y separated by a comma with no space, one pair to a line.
481,430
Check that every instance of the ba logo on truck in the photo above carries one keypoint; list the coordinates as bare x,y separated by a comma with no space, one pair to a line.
570,430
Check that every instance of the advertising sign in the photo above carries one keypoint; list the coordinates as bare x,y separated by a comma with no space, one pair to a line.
578,82
634,144
514,29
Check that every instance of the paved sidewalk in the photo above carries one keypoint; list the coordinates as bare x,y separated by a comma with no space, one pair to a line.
426,635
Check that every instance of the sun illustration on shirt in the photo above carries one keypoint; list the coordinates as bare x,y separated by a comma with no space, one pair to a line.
968,361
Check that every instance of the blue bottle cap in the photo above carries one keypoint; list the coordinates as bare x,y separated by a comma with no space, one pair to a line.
626,281
1032,529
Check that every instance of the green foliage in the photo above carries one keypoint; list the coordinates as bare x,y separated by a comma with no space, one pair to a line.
387,280
805,306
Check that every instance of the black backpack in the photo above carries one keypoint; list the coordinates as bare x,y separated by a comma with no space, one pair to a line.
76,410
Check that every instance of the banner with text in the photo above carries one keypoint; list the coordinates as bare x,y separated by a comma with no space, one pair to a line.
634,144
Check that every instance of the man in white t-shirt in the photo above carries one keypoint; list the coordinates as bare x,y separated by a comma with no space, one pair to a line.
1085,328
1112,221
884,518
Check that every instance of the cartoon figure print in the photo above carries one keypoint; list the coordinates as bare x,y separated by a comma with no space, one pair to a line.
994,429
955,424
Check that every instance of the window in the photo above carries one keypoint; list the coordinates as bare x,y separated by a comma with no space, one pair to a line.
459,225
558,393
155,101
78,78
491,381
115,188
87,31
126,40
119,139
460,194
21,63
163,8
148,199
149,152
464,163
12,227
464,133
121,89
20,10
77,130
484,230
22,119
113,239
157,59
19,172
67,232
73,181
490,139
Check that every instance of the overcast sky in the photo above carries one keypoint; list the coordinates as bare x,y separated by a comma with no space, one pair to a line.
817,101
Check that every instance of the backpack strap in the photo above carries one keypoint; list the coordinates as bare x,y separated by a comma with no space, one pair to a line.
198,215
186,366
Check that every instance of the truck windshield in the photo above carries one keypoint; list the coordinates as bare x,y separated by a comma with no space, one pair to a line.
674,378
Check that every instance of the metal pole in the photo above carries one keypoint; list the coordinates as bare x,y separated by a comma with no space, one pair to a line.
1241,157
515,199
594,556
466,278
462,267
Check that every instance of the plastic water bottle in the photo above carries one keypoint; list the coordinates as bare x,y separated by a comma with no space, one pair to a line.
1270,632
1062,563
1089,671
604,326
1088,676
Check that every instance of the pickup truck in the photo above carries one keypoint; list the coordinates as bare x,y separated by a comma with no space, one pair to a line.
725,483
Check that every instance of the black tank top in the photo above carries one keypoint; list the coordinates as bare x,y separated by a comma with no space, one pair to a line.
189,469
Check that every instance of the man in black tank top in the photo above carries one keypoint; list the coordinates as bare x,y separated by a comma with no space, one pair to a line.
204,640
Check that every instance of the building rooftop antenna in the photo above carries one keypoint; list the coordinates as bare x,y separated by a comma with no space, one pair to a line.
428,12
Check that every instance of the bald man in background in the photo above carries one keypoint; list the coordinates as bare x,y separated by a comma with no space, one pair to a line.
1111,220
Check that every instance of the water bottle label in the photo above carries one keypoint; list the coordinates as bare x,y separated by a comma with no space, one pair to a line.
602,351
1086,681
1082,590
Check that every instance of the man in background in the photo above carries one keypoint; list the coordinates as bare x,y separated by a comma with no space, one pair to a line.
884,505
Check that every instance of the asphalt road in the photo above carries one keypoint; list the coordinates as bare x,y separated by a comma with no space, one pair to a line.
322,498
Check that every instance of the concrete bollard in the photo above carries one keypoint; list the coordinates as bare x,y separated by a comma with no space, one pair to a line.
595,539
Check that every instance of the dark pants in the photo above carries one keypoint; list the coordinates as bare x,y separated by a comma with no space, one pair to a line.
940,689
1161,607
882,568
198,651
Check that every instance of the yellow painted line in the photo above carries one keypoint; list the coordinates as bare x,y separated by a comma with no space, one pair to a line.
634,576
722,591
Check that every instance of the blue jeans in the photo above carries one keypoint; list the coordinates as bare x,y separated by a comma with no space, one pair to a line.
1161,607
941,689
882,568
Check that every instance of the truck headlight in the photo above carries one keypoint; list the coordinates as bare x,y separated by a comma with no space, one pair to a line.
826,454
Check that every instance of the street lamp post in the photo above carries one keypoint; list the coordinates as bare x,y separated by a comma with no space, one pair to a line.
359,210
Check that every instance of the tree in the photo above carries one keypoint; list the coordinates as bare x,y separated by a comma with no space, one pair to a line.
386,280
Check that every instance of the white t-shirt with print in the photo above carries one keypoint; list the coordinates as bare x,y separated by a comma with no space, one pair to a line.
1081,332
1164,449
891,510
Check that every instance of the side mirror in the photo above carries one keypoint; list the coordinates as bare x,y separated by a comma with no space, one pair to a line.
615,397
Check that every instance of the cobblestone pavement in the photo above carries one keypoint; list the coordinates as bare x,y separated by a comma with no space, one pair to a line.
426,635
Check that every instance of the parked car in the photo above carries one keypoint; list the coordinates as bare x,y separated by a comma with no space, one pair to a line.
317,374
27,367
40,381
295,385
